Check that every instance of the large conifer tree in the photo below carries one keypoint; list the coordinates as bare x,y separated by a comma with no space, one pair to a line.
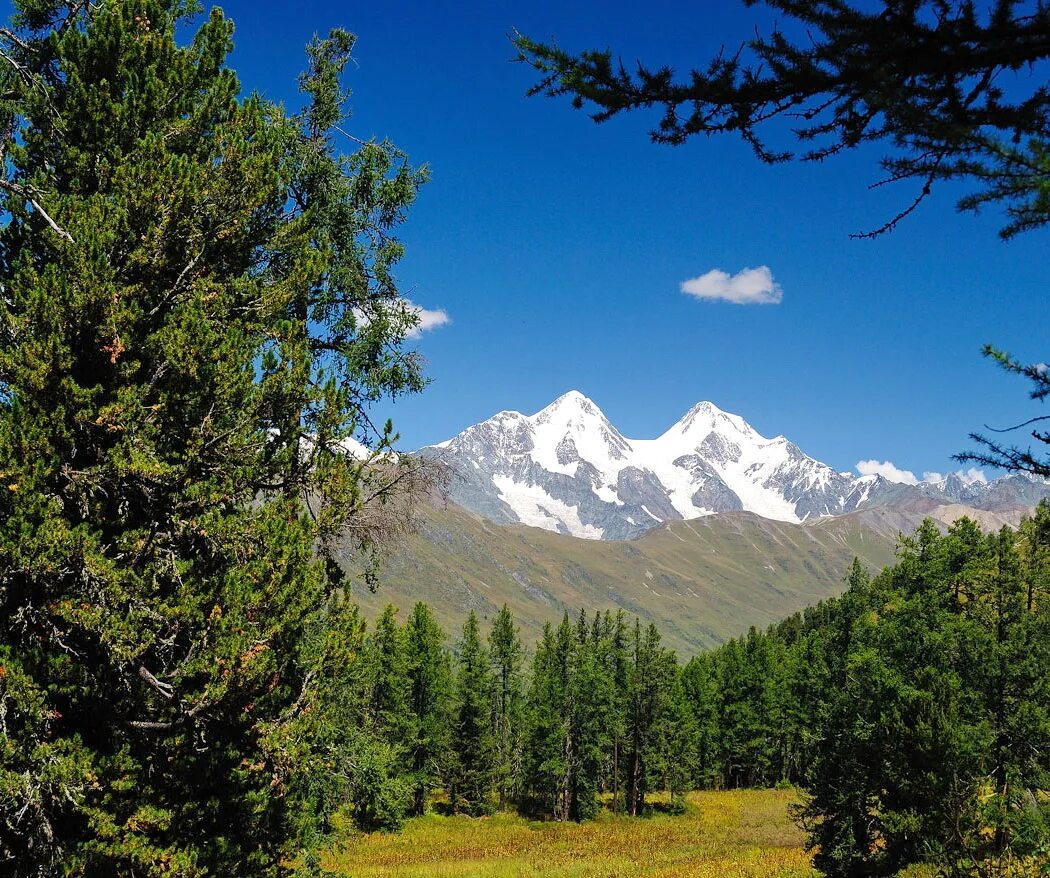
505,652
430,680
473,770
196,304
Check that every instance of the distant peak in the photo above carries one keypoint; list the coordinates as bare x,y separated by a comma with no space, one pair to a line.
572,401
707,415
573,397
704,406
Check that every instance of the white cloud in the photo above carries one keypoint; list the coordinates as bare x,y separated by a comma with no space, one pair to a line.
887,470
428,319
890,471
972,475
749,286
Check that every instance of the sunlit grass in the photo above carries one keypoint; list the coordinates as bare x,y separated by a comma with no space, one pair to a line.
734,834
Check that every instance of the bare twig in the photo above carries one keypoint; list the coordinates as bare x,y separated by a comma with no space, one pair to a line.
24,192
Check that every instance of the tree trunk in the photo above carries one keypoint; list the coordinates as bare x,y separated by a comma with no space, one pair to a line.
634,792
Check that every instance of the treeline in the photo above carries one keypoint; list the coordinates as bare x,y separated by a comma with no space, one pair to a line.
599,708
914,710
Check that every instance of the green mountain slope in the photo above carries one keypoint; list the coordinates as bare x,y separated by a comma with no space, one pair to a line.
700,581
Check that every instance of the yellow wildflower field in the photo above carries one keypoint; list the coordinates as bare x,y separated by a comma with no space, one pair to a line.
731,834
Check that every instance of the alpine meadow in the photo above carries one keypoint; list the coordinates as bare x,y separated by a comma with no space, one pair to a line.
260,616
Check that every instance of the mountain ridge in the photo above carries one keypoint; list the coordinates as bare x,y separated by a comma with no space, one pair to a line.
568,469
701,581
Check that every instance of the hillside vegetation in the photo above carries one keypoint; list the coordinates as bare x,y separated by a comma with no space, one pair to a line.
701,582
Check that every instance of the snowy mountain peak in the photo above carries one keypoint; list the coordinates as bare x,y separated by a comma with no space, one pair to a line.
705,418
568,469
570,410
573,400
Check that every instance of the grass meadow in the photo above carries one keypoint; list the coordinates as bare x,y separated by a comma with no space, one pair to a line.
731,834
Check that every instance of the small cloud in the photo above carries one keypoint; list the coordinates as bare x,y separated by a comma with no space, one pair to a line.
891,472
428,319
973,476
396,311
749,286
887,470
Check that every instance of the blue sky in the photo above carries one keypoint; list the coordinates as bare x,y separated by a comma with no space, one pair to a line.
558,247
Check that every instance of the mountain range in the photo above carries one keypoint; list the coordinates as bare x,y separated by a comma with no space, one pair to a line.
568,469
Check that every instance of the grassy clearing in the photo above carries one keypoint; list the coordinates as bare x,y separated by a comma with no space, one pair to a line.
734,834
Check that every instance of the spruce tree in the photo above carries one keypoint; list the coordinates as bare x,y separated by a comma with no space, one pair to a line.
546,728
934,737
643,704
430,702
618,662
506,655
700,690
592,703
675,734
389,684
473,768
197,303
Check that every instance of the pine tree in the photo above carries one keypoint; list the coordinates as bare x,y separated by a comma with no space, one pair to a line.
182,355
644,700
591,703
546,727
430,701
473,769
618,663
935,731
700,690
389,686
564,647
505,652
674,734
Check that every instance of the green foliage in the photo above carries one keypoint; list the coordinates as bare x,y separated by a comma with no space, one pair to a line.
604,716
389,684
1012,458
472,772
378,790
914,710
197,302
925,79
430,682
935,742
506,654
545,762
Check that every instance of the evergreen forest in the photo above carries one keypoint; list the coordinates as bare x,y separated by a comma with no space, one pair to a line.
913,712
199,315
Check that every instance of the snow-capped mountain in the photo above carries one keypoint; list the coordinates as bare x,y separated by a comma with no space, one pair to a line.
568,469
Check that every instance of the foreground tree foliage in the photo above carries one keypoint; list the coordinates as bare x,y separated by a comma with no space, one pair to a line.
929,79
196,304
1013,458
